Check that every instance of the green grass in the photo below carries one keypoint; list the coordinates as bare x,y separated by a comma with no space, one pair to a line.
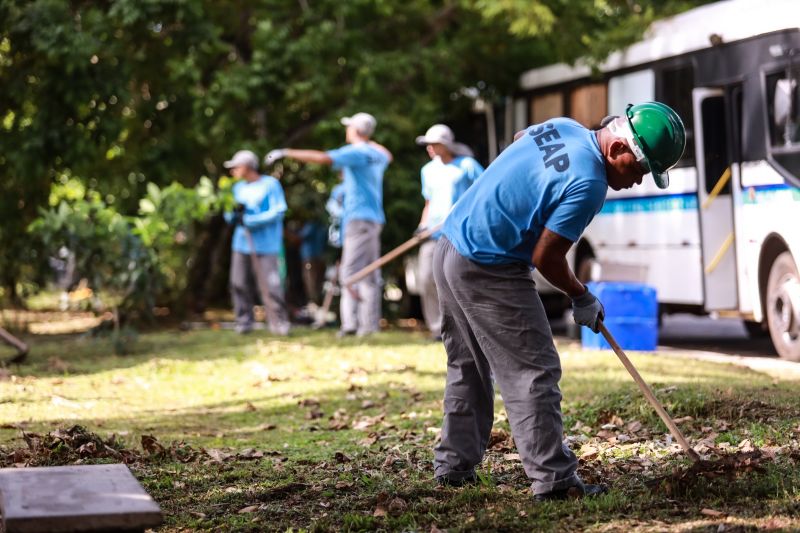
347,430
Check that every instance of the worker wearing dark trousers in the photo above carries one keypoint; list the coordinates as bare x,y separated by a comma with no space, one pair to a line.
259,222
528,208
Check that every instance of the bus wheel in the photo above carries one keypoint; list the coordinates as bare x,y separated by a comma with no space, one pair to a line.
783,306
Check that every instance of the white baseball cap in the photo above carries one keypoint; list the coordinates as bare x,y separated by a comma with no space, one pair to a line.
441,134
364,123
242,158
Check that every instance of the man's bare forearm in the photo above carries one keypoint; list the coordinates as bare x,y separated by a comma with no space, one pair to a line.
309,156
556,270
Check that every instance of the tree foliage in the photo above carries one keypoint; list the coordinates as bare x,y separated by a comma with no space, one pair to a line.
117,94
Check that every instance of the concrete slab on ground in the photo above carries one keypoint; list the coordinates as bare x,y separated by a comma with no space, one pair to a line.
75,498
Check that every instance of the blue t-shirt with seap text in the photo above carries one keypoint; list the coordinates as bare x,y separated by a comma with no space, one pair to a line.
552,177
362,166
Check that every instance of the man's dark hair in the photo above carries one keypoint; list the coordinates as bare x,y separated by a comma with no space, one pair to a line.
607,120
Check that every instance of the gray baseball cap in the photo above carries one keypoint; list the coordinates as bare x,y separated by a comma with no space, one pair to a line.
242,158
364,123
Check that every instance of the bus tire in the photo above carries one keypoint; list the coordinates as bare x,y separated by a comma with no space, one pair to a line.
783,306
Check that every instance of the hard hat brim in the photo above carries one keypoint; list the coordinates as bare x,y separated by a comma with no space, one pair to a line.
661,179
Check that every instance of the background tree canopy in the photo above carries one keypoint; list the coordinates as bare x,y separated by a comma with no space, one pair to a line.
117,94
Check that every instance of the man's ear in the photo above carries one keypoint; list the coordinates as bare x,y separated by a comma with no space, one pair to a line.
519,134
617,148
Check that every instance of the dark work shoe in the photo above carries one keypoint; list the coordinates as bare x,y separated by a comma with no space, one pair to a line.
573,492
342,333
444,481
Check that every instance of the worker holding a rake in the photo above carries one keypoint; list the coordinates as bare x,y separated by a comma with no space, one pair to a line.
527,209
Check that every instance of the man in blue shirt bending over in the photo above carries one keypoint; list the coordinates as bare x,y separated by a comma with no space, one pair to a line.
362,163
261,206
527,209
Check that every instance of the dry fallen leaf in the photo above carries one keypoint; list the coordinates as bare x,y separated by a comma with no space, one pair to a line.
712,512
588,453
341,457
314,414
605,434
248,509
634,426
309,402
380,510
397,506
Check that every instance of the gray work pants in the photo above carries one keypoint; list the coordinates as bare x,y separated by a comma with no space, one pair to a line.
244,286
360,306
494,324
427,288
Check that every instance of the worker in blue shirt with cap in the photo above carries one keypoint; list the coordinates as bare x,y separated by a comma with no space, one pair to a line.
527,209
448,174
362,162
260,209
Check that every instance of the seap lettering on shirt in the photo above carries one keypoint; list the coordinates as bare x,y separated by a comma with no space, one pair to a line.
265,206
552,177
444,183
362,166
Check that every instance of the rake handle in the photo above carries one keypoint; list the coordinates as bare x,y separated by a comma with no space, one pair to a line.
8,338
400,250
648,393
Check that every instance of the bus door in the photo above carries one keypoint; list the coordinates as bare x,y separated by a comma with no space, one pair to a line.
714,170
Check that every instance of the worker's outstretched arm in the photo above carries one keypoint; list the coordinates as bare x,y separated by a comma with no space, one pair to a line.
308,156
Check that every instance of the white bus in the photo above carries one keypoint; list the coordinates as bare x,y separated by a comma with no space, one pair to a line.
724,238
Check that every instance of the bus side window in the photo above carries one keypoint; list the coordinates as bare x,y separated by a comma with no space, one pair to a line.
675,90
783,119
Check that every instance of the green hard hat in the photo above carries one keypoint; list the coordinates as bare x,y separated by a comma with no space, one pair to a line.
660,136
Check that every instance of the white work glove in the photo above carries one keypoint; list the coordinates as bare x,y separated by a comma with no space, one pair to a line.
588,311
274,155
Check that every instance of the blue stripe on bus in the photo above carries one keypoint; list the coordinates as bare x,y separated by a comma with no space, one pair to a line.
647,204
769,187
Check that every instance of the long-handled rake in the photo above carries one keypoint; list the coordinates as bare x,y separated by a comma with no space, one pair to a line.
648,393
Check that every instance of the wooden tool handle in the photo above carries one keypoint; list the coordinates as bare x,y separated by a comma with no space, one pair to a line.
13,341
400,250
648,393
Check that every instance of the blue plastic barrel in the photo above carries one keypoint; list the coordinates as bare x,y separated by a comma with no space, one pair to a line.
631,316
